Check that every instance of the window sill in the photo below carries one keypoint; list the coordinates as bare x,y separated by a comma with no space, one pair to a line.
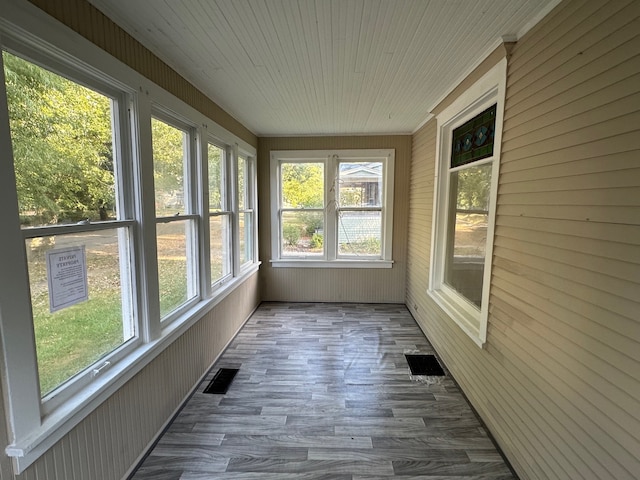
54,426
343,263
466,315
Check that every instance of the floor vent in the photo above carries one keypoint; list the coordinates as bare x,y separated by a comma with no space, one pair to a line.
424,365
221,381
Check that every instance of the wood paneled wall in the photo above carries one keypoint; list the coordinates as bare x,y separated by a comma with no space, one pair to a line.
333,284
558,382
106,444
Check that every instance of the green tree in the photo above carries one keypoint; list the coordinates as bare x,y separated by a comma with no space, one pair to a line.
302,185
168,166
62,145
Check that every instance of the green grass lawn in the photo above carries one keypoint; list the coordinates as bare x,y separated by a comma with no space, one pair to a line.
74,338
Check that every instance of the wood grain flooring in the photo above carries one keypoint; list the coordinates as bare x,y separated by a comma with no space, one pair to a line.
324,392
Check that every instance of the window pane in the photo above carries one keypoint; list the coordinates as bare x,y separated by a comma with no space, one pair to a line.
474,140
302,185
219,244
217,200
359,233
169,155
73,338
62,145
173,276
245,220
302,233
242,184
360,184
468,221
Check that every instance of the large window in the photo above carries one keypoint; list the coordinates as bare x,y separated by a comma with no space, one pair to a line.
246,209
332,208
126,216
72,189
175,223
469,133
220,258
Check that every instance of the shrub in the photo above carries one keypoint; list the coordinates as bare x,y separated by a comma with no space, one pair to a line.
291,234
317,240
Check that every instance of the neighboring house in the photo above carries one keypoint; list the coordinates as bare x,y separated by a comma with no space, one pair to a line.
557,380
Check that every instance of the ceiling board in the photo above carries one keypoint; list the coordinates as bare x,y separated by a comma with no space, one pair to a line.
320,67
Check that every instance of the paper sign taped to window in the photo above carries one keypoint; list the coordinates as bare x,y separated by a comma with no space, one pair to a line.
67,277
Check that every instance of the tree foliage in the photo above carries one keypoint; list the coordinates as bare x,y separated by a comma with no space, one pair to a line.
168,167
473,187
303,185
62,145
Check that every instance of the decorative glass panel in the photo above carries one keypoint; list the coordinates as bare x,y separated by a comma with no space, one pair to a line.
474,140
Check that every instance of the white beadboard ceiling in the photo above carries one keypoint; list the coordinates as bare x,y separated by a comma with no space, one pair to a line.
321,67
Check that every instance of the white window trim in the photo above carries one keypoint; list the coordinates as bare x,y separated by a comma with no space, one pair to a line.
488,90
329,158
31,430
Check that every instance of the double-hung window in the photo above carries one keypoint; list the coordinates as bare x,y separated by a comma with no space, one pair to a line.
246,219
468,158
124,213
176,220
74,196
332,208
220,214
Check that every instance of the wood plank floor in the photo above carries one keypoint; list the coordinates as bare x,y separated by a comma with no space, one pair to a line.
324,392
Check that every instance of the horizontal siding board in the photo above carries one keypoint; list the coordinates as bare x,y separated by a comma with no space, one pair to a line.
576,437
580,77
614,276
552,105
600,165
598,252
576,116
576,42
527,158
585,213
518,278
528,50
597,130
584,191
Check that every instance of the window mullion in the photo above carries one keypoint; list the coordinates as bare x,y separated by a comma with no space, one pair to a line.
17,333
148,296
234,201
330,207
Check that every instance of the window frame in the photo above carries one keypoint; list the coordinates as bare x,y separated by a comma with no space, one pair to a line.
121,100
32,429
191,215
331,160
226,211
487,91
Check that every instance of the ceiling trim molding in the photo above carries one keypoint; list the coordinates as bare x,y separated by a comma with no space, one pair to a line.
538,18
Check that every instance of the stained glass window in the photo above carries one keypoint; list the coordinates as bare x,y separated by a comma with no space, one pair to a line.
474,140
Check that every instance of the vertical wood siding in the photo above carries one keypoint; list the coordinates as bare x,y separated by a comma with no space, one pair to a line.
331,284
88,21
558,381
111,439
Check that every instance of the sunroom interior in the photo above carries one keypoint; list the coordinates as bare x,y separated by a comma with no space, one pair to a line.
476,163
